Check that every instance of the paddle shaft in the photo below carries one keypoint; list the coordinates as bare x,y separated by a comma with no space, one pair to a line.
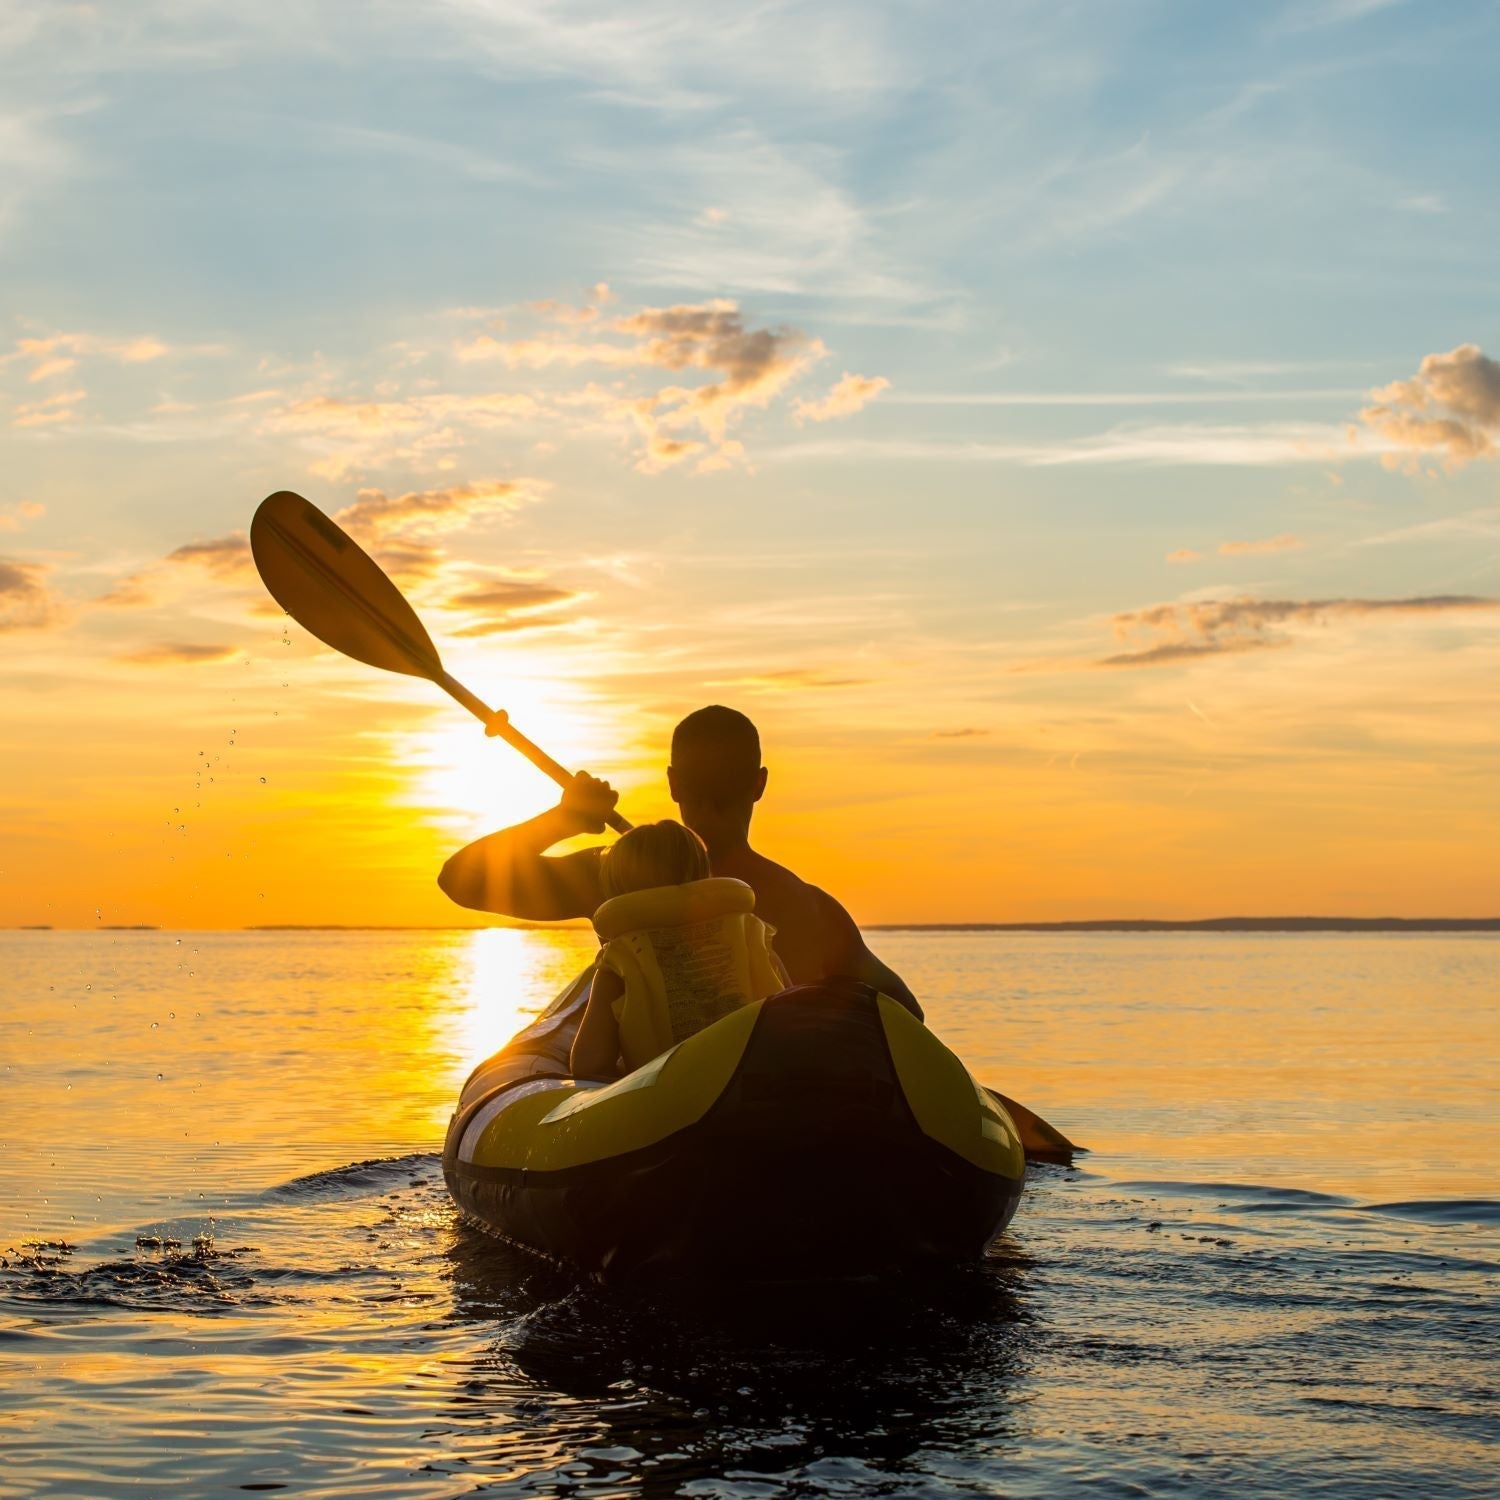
499,724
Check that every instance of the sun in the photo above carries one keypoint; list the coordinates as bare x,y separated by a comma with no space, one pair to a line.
463,777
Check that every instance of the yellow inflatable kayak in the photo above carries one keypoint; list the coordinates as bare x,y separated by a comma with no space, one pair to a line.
820,1133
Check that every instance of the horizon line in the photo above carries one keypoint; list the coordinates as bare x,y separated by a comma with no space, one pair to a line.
1075,924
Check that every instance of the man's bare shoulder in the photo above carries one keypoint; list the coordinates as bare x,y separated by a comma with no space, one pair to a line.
783,889
771,878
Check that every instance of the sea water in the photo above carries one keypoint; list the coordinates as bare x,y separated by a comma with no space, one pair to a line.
229,1262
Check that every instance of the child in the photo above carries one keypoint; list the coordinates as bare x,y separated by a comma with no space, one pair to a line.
680,950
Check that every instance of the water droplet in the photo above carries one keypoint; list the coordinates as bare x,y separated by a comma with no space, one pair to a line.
171,1015
158,1077
88,986
262,780
154,1025
178,942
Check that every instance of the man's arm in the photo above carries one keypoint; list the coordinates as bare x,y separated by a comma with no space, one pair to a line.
850,955
509,872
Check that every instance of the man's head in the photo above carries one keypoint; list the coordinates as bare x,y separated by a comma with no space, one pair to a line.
716,777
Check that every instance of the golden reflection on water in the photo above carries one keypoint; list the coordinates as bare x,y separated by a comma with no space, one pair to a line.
513,975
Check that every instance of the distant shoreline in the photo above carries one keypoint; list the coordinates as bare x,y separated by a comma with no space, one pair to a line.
1210,924
1102,924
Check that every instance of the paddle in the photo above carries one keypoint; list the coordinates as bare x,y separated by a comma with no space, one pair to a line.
332,587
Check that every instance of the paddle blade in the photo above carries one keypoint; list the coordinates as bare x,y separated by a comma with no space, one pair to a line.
1039,1140
330,586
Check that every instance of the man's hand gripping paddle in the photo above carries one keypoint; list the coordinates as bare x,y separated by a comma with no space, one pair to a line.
331,587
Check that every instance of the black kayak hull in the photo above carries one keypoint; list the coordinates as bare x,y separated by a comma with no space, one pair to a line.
819,1134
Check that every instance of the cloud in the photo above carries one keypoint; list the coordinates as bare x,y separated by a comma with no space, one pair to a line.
1482,525
848,396
350,434
179,653
754,364
376,518
794,679
562,312
224,556
56,354
1450,409
1184,555
508,605
26,602
1286,542
402,532
1159,446
509,595
959,734
1176,651
332,415
1216,627
50,367
58,407
750,367
27,510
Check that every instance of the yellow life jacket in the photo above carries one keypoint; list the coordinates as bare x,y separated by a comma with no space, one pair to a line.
686,955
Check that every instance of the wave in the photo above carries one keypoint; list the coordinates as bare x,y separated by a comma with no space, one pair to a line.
1254,1198
361,1179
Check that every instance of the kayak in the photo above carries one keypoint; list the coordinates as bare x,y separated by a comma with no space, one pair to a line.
821,1133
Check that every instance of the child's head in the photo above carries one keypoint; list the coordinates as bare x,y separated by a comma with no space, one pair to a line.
662,853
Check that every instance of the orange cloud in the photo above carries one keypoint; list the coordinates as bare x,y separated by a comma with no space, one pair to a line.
561,312
224,556
849,395
752,366
178,653
50,367
1184,555
1449,409
57,353
49,410
1283,543
376,517
26,601
510,604
1218,627
794,679
27,510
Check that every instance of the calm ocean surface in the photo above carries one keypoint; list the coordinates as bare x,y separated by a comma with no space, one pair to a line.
1275,1274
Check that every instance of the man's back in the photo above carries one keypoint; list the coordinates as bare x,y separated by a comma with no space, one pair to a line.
810,939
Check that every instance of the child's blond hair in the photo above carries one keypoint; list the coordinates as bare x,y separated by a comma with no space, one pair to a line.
662,853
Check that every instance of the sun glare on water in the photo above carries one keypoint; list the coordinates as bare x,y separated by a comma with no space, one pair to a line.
512,977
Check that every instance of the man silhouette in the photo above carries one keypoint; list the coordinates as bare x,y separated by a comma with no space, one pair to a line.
716,779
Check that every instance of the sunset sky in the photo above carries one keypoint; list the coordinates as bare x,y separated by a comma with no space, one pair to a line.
1066,429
